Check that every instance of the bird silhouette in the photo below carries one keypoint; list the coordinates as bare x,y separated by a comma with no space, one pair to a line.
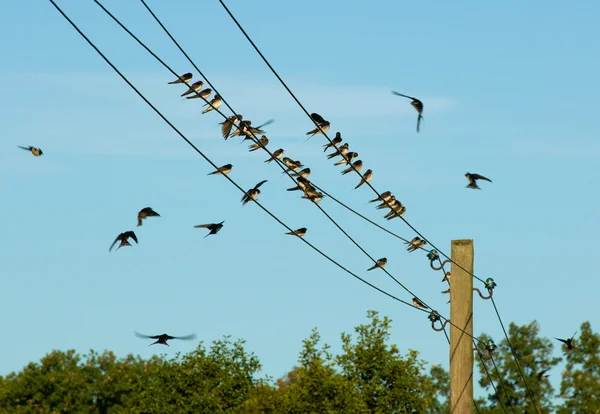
213,227
542,374
35,151
417,104
298,232
473,180
418,303
146,212
123,237
568,342
380,263
162,339
224,169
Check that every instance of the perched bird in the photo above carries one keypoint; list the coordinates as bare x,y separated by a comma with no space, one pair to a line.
418,303
228,124
397,211
304,173
35,151
291,164
387,202
186,77
417,104
214,104
146,212
224,169
380,263
251,131
123,238
348,158
162,339
262,142
276,155
339,151
367,176
204,94
473,180
323,125
195,87
447,276
357,166
334,142
302,184
242,128
298,232
568,342
213,227
542,374
253,193
385,196
312,195
415,244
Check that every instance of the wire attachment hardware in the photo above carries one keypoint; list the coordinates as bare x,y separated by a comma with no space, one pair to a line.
433,255
434,317
489,285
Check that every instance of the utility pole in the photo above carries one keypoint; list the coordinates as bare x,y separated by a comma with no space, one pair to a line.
461,315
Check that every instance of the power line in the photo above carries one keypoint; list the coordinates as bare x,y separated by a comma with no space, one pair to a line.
490,379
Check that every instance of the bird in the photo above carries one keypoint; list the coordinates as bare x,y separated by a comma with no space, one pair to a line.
385,196
417,104
123,238
418,303
162,339
242,128
334,142
204,94
224,169
357,166
380,263
213,227
253,193
568,342
262,142
387,202
195,87
251,131
227,124
304,173
415,244
276,155
186,77
313,195
146,212
368,175
291,164
542,374
214,104
473,180
447,276
339,151
298,232
348,158
35,151
323,125
302,184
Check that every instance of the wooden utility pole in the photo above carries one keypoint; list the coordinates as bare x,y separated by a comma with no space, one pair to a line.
461,314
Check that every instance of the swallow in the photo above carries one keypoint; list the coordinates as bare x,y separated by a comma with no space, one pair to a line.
162,339
298,232
253,193
146,212
322,125
396,212
302,184
542,374
339,151
227,125
386,202
291,164
251,131
242,128
313,195
417,104
473,180
447,276
348,158
415,244
262,142
123,238
195,87
357,166
35,151
418,303
204,94
568,342
224,169
380,263
213,227
385,196
368,175
186,77
276,155
334,142
214,104
304,173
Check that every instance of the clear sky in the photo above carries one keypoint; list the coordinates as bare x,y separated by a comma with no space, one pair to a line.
510,92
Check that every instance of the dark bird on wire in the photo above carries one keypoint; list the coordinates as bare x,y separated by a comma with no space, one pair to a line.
253,193
35,151
162,339
357,166
204,93
415,244
123,237
277,154
418,303
146,212
214,104
367,176
417,104
473,180
195,87
334,142
298,232
186,77
224,169
568,342
213,227
227,125
322,124
380,263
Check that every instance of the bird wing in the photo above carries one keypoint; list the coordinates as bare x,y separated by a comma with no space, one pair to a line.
185,338
317,118
259,184
270,121
480,177
419,122
204,226
564,341
139,335
131,234
115,242
25,148
226,127
399,94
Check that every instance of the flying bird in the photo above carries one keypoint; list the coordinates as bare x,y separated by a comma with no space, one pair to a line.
334,142
415,244
417,104
227,125
195,87
542,374
568,342
357,166
368,175
298,232
186,77
146,212
380,263
262,142
253,193
418,303
276,155
213,227
473,180
224,169
162,339
214,104
123,238
35,151
204,94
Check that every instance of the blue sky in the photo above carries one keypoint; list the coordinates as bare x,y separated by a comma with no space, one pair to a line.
510,91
